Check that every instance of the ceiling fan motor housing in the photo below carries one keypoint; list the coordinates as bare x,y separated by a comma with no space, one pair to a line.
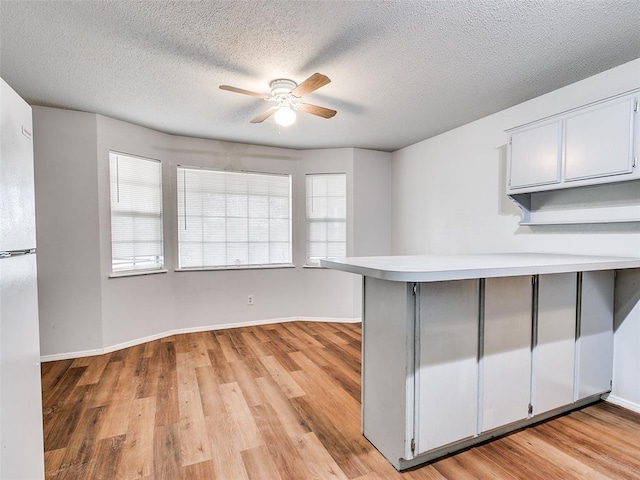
282,87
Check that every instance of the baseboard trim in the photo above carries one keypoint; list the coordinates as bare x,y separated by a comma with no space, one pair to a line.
178,331
71,355
621,402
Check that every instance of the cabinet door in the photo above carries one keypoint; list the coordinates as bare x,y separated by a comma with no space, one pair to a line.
535,156
506,364
554,348
595,339
447,377
598,141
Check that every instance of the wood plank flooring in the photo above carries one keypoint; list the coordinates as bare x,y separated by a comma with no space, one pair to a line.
279,402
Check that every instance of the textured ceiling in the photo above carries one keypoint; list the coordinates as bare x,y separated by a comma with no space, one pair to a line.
401,71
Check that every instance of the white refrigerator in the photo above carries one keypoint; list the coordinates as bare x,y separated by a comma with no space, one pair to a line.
21,437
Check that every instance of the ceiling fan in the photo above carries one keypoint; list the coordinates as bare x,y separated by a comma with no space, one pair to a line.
287,95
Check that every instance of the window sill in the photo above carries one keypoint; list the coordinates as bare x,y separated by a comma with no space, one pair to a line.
315,266
226,269
136,273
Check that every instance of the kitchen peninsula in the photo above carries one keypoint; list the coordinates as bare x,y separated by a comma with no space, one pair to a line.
458,349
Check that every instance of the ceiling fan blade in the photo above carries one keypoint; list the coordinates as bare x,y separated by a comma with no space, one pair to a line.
316,110
264,115
311,84
243,91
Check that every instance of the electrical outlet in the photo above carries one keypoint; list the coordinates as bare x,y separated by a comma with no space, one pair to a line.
249,299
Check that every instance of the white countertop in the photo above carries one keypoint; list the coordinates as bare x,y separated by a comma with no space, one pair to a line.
434,268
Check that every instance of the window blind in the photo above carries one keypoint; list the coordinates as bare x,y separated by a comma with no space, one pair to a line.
136,213
326,216
233,219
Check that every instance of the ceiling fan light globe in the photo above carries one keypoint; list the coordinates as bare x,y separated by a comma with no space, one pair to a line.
284,116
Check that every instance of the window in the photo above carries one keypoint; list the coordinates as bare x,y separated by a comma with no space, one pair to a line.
326,216
233,219
136,213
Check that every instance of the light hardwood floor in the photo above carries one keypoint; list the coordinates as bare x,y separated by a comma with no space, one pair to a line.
279,402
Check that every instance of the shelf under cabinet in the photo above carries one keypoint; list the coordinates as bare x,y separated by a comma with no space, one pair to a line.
598,204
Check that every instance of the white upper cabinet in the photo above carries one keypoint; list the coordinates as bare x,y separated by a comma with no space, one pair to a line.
536,155
599,141
589,145
595,147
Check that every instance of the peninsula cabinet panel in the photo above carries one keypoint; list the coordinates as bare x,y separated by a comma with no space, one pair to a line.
554,349
387,367
506,363
595,340
447,378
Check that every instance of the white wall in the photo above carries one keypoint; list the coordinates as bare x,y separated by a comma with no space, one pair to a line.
318,280
448,196
126,310
371,214
626,341
372,203
138,307
130,308
67,231
368,211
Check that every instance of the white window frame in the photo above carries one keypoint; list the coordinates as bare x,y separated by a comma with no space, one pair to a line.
314,261
183,192
139,209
